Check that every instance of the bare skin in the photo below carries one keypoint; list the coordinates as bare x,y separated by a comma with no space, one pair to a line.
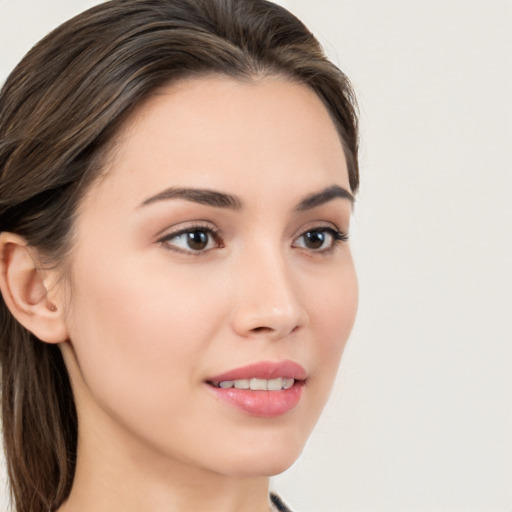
165,291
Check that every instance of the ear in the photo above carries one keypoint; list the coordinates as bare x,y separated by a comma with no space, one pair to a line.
24,289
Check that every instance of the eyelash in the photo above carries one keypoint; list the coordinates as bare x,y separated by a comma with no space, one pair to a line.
337,238
198,228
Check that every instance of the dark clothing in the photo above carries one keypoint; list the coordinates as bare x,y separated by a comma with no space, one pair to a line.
278,503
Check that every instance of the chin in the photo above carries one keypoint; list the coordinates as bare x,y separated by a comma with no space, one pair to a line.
266,459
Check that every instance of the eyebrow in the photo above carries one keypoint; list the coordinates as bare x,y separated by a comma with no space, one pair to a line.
198,195
222,200
324,196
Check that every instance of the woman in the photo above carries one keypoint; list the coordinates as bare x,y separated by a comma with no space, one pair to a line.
177,179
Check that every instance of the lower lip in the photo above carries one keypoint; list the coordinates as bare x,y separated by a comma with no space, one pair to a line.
264,404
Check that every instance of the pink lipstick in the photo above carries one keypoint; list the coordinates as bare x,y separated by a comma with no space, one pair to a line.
265,389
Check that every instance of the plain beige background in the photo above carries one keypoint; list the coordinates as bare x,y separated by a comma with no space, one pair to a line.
421,418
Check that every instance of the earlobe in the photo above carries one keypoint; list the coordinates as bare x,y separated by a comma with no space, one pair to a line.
22,283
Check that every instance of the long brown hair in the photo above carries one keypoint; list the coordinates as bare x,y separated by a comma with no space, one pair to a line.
59,112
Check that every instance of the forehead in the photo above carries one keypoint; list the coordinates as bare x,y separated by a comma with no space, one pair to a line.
218,132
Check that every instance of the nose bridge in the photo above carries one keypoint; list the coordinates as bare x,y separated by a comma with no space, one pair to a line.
268,298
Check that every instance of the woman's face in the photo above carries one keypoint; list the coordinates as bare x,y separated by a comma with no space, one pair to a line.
210,254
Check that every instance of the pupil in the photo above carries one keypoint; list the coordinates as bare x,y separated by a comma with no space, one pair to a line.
197,240
315,239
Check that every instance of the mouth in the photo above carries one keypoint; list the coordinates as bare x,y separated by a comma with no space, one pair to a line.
264,389
281,383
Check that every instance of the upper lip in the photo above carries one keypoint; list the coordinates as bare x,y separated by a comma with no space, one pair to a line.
263,370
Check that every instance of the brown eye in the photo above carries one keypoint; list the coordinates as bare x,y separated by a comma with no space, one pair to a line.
192,240
197,240
320,240
314,239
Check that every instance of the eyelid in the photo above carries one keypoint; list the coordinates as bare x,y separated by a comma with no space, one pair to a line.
166,235
183,226
338,236
318,225
337,233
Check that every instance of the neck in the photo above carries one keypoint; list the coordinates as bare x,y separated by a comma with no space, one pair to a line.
136,495
120,476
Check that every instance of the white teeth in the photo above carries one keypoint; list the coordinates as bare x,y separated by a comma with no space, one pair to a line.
288,383
242,384
258,384
275,384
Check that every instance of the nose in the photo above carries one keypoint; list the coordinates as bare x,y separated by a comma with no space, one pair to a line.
268,299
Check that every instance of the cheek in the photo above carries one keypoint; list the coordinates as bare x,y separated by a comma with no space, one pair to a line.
141,338
137,336
332,315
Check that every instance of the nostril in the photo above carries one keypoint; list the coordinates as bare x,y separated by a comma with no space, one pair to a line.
271,331
262,329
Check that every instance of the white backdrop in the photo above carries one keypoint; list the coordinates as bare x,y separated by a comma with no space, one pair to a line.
421,417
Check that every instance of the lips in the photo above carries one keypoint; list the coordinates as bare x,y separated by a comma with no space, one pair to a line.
264,389
263,370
